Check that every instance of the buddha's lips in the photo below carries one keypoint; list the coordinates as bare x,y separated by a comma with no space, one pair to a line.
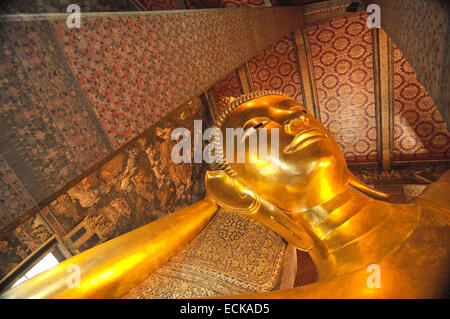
303,139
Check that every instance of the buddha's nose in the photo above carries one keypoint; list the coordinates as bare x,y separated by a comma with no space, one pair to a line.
297,121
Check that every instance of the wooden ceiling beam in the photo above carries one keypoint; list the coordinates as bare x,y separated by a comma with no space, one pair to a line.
383,68
305,70
245,78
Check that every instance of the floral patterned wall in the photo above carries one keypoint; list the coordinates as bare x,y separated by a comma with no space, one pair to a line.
420,28
276,69
419,129
229,86
341,54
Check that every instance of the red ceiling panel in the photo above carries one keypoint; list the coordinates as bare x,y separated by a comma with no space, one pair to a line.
276,69
419,130
341,53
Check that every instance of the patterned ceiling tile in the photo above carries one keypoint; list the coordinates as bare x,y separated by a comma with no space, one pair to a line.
341,53
15,201
419,131
230,86
276,69
49,133
421,29
132,81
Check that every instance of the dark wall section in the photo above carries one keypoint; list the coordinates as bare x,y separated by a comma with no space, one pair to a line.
59,6
138,185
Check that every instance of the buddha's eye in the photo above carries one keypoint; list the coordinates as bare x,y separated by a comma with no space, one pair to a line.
253,125
257,126
256,123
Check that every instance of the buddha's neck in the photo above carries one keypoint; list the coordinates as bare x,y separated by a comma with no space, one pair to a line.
352,223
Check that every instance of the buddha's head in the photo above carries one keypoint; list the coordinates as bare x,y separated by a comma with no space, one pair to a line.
307,169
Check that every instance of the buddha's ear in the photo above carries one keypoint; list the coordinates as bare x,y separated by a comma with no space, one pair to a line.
356,183
229,193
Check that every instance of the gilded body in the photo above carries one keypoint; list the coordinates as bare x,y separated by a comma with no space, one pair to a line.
310,199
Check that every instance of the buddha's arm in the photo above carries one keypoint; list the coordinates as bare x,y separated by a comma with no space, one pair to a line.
436,198
113,268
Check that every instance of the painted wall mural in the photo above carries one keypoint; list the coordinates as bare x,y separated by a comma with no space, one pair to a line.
419,129
341,53
139,185
411,173
403,182
276,69
70,97
21,242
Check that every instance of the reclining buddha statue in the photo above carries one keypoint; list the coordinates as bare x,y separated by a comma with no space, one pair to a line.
307,196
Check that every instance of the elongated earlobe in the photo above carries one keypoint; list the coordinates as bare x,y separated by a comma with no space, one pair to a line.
356,183
230,194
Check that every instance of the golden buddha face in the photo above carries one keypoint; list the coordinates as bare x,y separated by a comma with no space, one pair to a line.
310,168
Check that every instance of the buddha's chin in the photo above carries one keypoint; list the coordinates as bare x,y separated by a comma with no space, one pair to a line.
320,185
319,159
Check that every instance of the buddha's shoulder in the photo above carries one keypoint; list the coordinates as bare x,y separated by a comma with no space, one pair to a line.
434,202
